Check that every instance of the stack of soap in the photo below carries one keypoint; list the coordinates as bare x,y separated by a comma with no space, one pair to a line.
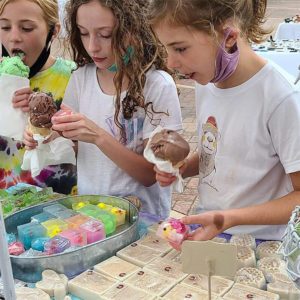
75,236
54,227
57,244
117,268
90,285
152,241
75,221
94,230
123,291
79,203
271,265
268,248
252,277
245,257
151,283
219,285
174,255
138,254
246,240
167,268
26,293
240,291
42,217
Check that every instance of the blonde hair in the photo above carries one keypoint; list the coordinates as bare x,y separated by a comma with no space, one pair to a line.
49,8
210,15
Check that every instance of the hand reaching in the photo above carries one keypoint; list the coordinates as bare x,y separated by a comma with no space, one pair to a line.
20,99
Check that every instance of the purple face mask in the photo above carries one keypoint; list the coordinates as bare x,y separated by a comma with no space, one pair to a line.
226,63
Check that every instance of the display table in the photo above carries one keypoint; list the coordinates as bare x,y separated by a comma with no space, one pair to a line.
288,31
285,54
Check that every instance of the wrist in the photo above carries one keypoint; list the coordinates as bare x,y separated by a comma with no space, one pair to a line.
100,138
230,218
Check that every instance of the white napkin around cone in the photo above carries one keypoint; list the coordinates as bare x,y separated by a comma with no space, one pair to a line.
164,165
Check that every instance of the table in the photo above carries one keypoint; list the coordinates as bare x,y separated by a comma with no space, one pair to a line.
288,31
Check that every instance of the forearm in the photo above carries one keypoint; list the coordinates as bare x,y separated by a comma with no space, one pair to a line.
273,212
133,164
192,168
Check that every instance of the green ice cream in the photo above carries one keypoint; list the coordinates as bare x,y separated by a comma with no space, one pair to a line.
14,66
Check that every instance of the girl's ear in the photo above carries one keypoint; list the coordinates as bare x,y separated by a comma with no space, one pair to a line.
232,37
56,31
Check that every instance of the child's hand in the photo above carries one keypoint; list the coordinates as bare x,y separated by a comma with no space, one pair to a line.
20,99
166,179
28,140
212,224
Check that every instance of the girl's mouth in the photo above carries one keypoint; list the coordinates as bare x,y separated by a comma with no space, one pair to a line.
18,52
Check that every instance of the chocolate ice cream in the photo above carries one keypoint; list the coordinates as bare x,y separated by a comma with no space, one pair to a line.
169,145
41,109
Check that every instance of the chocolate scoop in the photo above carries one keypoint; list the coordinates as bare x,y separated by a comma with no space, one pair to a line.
41,109
170,145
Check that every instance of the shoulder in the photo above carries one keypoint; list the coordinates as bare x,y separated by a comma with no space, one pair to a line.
159,78
64,66
85,71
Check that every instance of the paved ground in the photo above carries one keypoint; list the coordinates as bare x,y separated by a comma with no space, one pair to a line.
183,203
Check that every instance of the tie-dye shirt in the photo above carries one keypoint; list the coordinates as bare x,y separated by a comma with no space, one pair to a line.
61,178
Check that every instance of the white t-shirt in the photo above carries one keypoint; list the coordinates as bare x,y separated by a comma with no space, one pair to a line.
97,174
249,139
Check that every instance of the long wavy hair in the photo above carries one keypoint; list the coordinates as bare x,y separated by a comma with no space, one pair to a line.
209,15
131,29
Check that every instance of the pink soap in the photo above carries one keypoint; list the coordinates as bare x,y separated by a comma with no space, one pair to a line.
173,230
94,230
75,221
16,248
75,236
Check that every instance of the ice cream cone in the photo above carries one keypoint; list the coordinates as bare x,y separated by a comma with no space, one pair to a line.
39,130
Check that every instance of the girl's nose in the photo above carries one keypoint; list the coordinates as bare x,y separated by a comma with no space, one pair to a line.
15,35
172,62
94,45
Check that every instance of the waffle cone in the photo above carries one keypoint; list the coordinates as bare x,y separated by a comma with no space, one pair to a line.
38,130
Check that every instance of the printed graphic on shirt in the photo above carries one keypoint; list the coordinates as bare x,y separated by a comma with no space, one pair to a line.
133,130
209,142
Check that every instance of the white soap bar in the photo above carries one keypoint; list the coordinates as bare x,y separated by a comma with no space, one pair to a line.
271,265
138,254
219,285
283,286
240,291
246,257
25,293
150,282
60,291
267,249
181,291
251,276
123,291
117,268
152,241
49,279
174,255
167,268
246,240
90,285
219,240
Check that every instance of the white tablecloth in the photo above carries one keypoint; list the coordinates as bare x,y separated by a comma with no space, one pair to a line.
288,31
289,61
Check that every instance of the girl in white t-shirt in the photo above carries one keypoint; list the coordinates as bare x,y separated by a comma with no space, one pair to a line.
121,91
248,117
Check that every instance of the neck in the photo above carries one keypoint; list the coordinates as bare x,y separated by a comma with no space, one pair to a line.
249,64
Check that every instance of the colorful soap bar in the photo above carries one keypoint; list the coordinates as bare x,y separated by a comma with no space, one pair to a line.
29,232
65,214
16,248
53,209
42,217
173,230
75,221
119,213
54,227
10,238
106,218
77,204
57,244
75,236
39,243
94,230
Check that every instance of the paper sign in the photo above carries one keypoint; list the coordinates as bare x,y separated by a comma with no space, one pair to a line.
209,258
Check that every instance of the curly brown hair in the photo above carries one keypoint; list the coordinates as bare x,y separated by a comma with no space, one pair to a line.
209,15
131,29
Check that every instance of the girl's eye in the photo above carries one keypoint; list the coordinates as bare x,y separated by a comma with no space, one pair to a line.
180,50
5,28
106,36
83,34
27,29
